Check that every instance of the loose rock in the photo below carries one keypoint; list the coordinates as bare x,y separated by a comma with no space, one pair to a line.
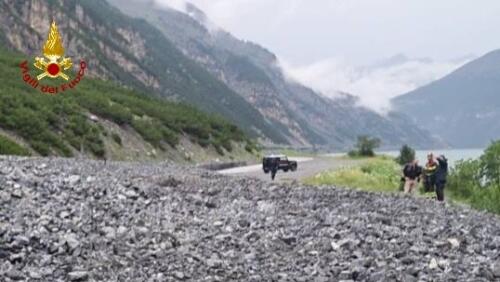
163,222
78,276
454,243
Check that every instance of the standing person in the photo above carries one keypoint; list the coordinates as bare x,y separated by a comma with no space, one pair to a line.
430,173
441,175
412,172
274,167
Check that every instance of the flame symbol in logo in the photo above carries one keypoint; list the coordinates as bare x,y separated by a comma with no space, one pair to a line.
54,61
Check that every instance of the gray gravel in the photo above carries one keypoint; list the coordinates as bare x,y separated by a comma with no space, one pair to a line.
74,220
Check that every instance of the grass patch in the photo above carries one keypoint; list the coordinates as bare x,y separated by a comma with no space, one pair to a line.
295,153
471,182
379,174
9,147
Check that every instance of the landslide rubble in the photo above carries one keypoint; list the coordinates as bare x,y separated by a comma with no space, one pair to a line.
79,220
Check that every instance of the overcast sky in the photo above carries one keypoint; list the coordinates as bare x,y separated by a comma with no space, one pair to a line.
342,37
361,31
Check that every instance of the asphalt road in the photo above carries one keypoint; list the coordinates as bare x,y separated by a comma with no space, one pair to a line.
307,167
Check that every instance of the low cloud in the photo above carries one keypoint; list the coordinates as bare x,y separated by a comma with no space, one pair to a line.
234,14
193,12
175,4
375,85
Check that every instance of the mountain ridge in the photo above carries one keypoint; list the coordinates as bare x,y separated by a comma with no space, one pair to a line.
463,107
129,51
254,72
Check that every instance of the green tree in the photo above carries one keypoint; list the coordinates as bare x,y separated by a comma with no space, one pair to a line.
406,155
365,146
465,178
490,164
478,181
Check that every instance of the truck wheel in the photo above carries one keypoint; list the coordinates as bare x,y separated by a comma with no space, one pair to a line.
285,170
266,171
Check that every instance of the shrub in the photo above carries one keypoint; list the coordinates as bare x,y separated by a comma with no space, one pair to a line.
52,125
477,181
251,147
80,134
116,138
9,147
365,147
465,178
353,153
219,150
487,199
204,142
490,164
148,131
169,136
40,148
406,155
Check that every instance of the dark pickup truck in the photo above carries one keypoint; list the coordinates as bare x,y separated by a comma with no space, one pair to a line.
279,161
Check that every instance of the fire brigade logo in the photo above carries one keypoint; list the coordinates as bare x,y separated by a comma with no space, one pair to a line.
53,65
54,62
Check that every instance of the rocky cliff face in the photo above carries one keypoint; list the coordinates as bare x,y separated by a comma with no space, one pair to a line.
253,72
25,25
183,59
130,52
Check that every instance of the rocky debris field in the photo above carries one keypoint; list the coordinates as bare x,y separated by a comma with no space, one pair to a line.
76,220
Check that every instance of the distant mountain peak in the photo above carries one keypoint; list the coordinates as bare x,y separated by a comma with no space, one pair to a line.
195,12
462,107
295,112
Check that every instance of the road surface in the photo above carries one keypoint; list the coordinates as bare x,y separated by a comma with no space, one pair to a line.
307,167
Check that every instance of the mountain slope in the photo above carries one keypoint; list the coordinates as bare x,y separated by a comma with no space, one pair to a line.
129,51
463,107
100,119
254,73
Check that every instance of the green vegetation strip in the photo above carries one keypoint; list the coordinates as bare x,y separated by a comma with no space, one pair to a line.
379,174
473,182
60,124
9,147
477,182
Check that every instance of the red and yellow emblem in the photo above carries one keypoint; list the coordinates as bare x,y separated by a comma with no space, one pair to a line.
53,63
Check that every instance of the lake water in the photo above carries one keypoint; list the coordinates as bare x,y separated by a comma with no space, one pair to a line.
452,155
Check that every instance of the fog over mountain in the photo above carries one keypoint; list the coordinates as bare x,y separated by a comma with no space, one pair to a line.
327,65
375,84
255,73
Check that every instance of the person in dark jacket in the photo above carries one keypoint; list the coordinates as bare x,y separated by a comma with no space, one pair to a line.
274,167
412,172
441,175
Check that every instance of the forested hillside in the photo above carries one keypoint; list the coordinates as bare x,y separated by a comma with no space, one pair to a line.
84,119
128,51
303,115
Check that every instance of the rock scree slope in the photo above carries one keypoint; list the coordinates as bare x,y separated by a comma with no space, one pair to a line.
77,220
